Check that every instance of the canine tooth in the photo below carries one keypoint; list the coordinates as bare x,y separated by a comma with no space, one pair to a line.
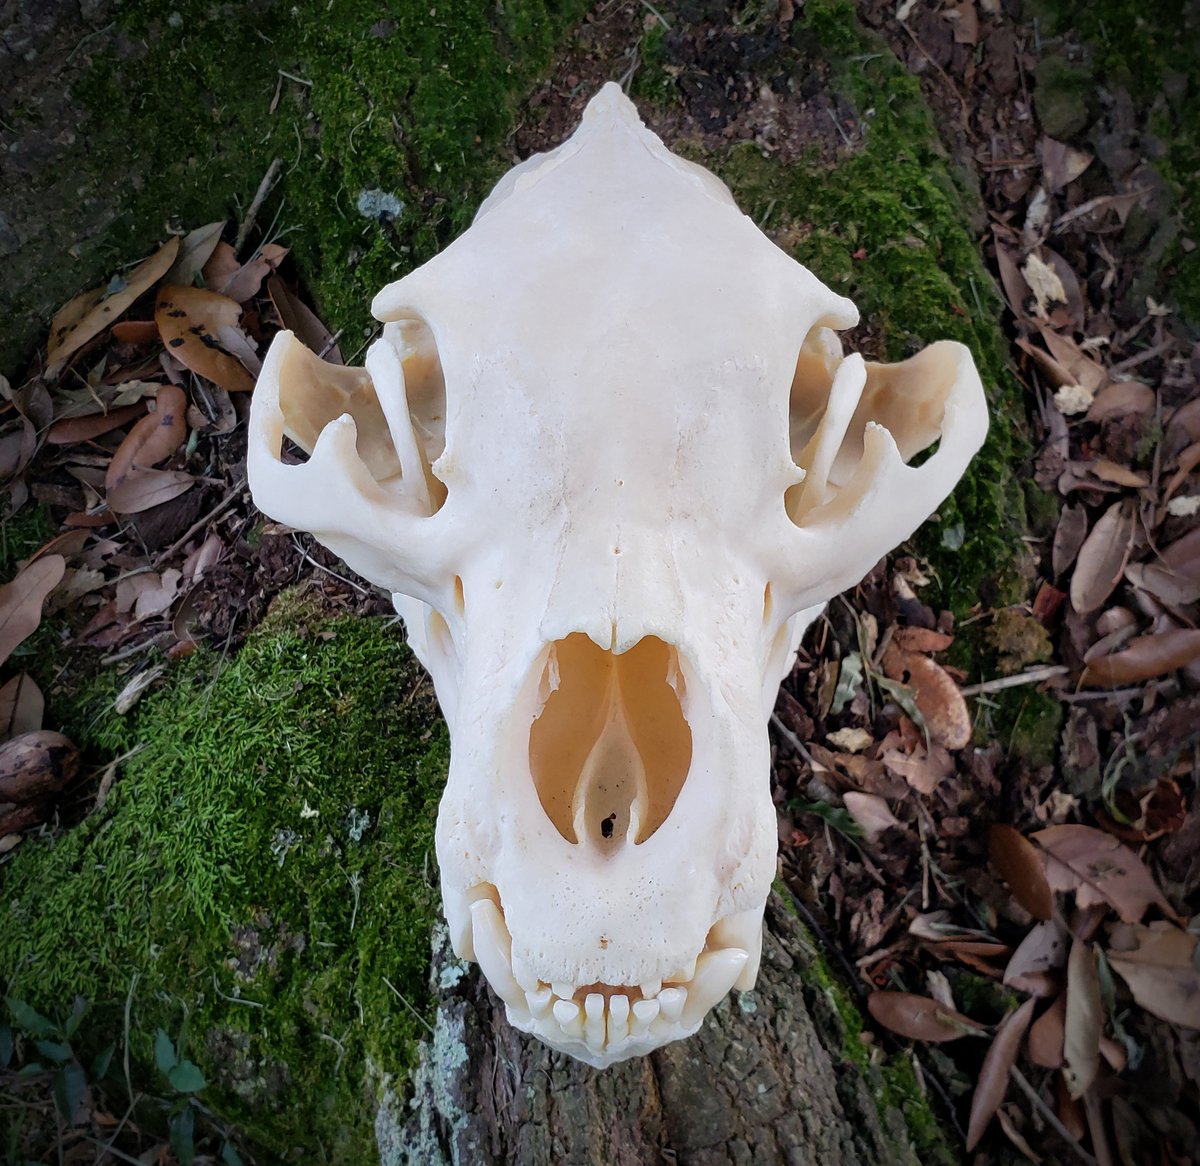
644,1011
716,973
651,988
593,1028
618,1017
672,1001
563,990
539,1002
493,947
745,930
569,1016
683,973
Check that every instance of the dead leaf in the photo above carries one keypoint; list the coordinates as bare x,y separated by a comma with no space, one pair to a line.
1062,164
1044,949
1068,537
194,251
871,812
245,281
1046,1035
1162,973
297,317
1163,583
1016,290
139,333
920,1017
190,321
1145,657
966,23
1084,1020
1101,558
154,438
1099,869
1044,282
143,489
157,598
22,707
1121,398
1020,865
135,688
922,769
90,312
36,766
852,740
21,601
70,430
1110,471
1120,204
914,639
994,1072
937,697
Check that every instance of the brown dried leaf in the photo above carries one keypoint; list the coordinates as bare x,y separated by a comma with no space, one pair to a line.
1081,367
35,766
1163,974
914,639
920,1017
1020,865
21,601
1046,1035
1084,1020
22,707
1110,471
1044,949
922,770
966,23
938,698
1116,400
871,812
70,430
190,321
1099,869
143,489
1062,164
993,1073
194,251
154,438
1102,558
89,313
1068,537
244,282
1144,658
1164,584
297,317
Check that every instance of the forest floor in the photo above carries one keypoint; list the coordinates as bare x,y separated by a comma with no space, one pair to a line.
1024,907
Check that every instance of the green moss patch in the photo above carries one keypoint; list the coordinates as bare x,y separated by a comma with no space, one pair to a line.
259,881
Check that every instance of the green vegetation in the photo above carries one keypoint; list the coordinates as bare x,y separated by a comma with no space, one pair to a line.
259,879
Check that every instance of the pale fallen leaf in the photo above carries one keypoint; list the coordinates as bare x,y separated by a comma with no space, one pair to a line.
922,769
1101,559
920,1017
21,601
1073,399
1062,164
156,599
1162,973
1099,869
143,489
1165,585
1184,505
993,1073
135,688
871,812
1145,657
939,700
22,707
1044,949
852,740
1046,1035
244,281
1084,1020
90,312
194,251
1044,282
190,321
1110,471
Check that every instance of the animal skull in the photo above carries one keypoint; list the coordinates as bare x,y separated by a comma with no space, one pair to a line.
611,462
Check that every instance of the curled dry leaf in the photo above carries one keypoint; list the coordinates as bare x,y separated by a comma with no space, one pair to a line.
871,812
22,707
190,321
920,1017
1100,870
89,313
1083,1023
1144,658
70,430
21,601
1046,1035
915,639
1162,973
1020,865
36,766
1116,400
143,489
297,317
242,282
993,1073
194,251
938,698
1068,537
1101,558
1044,949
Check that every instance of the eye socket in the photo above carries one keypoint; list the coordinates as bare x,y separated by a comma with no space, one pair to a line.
610,747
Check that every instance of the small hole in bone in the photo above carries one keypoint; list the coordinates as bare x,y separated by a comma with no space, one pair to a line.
610,746
460,602
768,604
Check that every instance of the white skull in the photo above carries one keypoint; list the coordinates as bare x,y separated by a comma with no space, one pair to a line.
609,459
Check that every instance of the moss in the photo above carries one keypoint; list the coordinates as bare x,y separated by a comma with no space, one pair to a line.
20,535
1062,96
259,878
653,82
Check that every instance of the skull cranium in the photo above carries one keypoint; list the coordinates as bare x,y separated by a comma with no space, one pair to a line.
610,460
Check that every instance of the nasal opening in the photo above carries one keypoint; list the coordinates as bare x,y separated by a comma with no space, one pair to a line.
610,747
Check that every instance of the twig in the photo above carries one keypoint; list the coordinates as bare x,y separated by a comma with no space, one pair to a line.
1051,1117
420,1019
660,17
837,125
1033,676
201,523
233,999
108,1148
128,1007
793,740
313,563
260,196
1141,357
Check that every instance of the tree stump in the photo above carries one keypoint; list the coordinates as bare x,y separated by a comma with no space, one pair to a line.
766,1080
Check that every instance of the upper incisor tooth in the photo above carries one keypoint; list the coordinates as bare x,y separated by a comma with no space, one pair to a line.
644,1011
569,1016
618,1017
593,1026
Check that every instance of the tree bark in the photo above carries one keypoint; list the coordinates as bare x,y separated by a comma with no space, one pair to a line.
765,1081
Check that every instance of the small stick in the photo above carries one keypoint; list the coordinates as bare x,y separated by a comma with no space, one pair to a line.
419,1018
260,196
1033,676
201,523
1051,1117
793,741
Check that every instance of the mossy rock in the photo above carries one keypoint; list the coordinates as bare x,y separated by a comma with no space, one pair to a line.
259,882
